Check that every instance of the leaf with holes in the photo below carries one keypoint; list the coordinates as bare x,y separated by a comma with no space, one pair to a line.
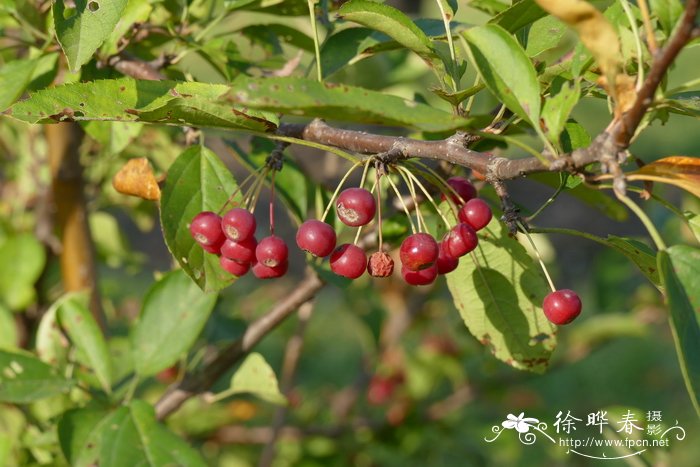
131,100
681,171
24,378
197,181
82,29
129,435
505,69
500,300
173,314
306,97
680,283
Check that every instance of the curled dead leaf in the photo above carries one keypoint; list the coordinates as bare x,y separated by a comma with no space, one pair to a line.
136,179
681,171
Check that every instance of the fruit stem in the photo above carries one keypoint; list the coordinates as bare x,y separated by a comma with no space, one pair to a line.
314,29
403,204
378,177
412,189
337,189
427,195
537,253
548,202
252,200
364,172
240,187
655,236
272,203
437,180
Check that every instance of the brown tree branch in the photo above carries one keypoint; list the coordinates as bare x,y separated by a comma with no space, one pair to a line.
193,384
77,255
606,145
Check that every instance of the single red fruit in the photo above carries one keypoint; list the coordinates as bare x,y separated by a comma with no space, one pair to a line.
476,212
242,252
423,277
446,263
380,265
206,229
234,267
271,251
266,272
418,251
562,306
316,237
380,390
238,224
460,240
356,207
464,189
349,261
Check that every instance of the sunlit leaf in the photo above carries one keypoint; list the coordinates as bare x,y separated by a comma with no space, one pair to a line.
255,376
681,171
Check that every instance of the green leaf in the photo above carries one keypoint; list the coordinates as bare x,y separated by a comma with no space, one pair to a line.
50,343
127,436
519,15
82,329
255,376
342,47
114,137
544,35
130,100
668,12
306,97
23,259
275,33
675,273
639,253
389,21
15,76
694,223
197,181
9,337
686,264
136,11
456,98
174,312
505,69
557,108
24,379
574,136
685,103
500,300
82,30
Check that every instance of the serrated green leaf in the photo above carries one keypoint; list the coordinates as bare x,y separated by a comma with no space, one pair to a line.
255,376
518,16
173,314
24,378
500,300
82,329
23,259
505,69
675,274
197,181
82,30
389,21
300,96
557,108
126,436
130,100
136,11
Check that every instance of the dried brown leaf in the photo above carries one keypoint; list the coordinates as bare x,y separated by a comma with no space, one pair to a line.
136,179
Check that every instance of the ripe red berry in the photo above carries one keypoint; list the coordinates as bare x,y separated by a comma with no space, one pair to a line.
463,188
242,252
562,306
460,240
476,212
266,272
271,251
423,277
206,229
418,251
238,224
380,265
446,263
233,267
380,390
355,207
349,261
316,237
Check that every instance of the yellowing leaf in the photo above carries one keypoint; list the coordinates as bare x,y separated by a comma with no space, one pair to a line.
599,37
681,171
136,179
